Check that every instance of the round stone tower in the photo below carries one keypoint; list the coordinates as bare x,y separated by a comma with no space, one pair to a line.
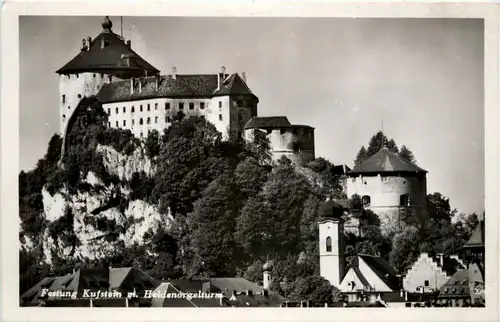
390,186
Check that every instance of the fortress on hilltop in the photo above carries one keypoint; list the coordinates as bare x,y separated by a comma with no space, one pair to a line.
136,97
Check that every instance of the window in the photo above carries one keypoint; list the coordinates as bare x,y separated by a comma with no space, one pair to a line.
202,105
109,111
156,119
366,201
156,106
109,124
142,135
405,200
110,78
167,106
141,121
202,117
79,96
149,120
181,106
426,283
124,109
140,108
117,124
124,123
133,109
168,119
220,117
133,122
149,108
69,107
116,110
93,75
64,117
64,99
191,106
220,104
328,244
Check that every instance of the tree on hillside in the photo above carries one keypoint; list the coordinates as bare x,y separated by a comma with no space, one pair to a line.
270,222
406,154
260,147
211,228
316,289
331,184
361,157
376,143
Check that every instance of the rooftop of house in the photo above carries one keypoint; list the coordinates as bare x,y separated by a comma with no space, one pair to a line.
385,161
272,122
107,51
457,286
173,86
477,238
380,267
96,278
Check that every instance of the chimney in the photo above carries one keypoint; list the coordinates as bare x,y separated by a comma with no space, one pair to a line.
89,42
129,44
331,244
132,86
244,76
84,45
157,81
102,43
221,77
406,296
174,72
440,259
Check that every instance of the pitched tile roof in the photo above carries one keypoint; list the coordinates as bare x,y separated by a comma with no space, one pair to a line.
477,237
187,86
124,279
457,286
112,57
381,268
386,161
264,122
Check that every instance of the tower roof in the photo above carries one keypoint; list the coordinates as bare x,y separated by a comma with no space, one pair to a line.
107,52
385,161
331,210
477,237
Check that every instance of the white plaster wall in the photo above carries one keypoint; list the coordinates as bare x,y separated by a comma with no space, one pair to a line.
220,107
331,263
372,278
85,85
351,276
424,269
160,113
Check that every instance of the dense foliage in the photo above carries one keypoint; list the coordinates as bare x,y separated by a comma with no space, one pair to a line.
378,141
232,208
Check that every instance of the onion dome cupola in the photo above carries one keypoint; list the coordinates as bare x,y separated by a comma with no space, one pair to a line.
268,266
331,210
108,53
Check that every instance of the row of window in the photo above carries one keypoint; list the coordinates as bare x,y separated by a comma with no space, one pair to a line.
63,99
168,119
148,107
404,200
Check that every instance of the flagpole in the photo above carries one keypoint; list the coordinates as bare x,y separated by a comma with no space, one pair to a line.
121,26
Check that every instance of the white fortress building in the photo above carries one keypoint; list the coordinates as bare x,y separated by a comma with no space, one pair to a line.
389,185
135,96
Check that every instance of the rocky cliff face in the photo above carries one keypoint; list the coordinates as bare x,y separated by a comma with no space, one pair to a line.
92,222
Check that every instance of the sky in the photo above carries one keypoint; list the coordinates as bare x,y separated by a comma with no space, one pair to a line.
423,78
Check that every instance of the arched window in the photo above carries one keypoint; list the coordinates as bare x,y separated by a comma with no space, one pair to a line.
405,200
141,121
328,244
366,201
